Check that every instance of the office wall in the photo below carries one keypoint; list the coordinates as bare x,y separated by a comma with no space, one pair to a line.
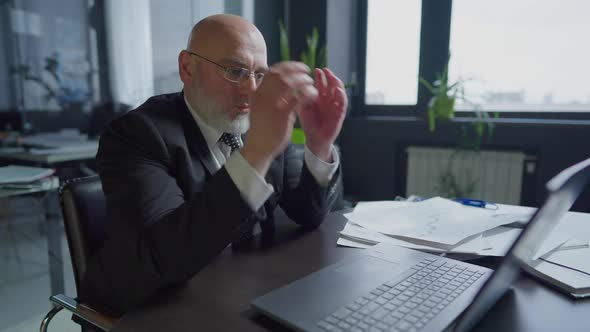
372,150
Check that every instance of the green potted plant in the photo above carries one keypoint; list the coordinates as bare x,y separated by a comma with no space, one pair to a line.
441,107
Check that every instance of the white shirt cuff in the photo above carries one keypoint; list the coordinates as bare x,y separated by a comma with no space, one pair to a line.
252,185
321,170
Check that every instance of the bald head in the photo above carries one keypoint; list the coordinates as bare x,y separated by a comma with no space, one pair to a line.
224,29
218,45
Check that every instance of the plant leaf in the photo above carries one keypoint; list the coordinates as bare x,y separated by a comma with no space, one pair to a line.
322,58
427,85
312,43
284,43
304,58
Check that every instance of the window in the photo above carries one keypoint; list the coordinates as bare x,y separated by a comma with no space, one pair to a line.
522,56
393,45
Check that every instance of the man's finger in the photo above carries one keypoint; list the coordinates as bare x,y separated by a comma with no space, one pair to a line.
289,67
307,94
333,80
340,98
303,96
295,81
321,82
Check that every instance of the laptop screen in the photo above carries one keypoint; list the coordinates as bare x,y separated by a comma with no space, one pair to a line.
563,190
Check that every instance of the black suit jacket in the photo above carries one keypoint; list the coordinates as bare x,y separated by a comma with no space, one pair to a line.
169,213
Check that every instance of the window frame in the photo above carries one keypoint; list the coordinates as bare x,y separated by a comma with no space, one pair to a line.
435,30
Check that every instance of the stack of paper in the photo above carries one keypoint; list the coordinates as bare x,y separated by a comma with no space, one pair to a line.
435,225
442,225
23,174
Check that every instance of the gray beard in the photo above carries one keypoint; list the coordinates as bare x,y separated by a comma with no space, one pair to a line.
216,117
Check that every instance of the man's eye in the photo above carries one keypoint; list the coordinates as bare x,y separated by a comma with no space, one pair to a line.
259,77
237,73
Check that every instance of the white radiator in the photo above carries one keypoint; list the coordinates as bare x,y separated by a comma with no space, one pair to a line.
495,176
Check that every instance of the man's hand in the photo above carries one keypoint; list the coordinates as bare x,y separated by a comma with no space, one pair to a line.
286,88
322,120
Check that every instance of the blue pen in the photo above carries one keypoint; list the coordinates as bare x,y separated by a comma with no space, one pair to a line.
476,203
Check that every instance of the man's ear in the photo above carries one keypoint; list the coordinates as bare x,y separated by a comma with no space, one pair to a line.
185,69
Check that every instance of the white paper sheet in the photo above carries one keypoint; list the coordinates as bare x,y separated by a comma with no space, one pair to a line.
577,259
436,220
23,174
366,236
353,244
500,240
574,225
376,207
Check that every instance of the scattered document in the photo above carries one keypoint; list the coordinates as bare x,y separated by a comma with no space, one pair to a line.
574,258
435,220
369,218
442,226
574,225
23,174
499,240
571,281
352,244
374,208
494,242
360,234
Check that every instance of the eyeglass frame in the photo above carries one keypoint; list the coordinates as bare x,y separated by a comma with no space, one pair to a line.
226,70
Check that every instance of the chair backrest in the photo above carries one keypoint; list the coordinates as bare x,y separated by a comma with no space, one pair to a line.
84,212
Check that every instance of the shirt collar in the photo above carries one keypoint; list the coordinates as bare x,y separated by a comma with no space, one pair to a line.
211,134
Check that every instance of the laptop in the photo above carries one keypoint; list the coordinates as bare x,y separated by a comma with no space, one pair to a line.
392,288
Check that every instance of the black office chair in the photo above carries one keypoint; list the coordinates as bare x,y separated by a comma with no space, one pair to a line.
84,214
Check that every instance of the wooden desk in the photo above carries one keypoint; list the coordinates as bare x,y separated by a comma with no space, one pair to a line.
217,298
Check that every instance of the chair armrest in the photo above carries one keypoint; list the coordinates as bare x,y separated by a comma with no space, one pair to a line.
84,312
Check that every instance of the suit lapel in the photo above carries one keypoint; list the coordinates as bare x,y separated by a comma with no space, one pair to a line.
194,138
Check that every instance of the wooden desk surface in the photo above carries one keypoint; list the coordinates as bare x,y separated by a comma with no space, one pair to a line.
217,298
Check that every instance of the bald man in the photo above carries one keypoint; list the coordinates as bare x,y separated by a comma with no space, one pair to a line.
182,181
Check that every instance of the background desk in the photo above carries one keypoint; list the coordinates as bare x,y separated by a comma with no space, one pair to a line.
217,298
53,228
50,159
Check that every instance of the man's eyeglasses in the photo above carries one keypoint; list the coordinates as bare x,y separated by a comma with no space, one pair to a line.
234,74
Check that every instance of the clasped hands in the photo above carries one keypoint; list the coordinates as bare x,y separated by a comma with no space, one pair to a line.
287,91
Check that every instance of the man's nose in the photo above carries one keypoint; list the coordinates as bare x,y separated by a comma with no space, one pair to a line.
248,85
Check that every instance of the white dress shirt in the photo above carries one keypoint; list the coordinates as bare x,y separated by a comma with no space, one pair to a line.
253,186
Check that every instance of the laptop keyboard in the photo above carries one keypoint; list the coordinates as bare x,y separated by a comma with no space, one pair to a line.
406,305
